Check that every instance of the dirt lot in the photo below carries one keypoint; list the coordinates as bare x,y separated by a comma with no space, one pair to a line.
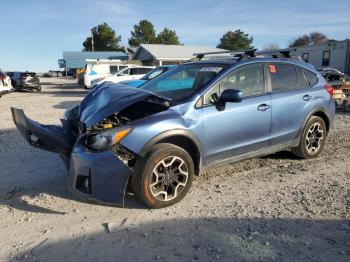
275,208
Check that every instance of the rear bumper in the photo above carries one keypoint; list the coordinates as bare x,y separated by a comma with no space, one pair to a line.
98,176
28,86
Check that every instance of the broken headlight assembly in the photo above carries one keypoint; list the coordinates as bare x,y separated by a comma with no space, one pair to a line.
106,139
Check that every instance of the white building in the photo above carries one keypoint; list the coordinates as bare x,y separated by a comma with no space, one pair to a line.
335,54
153,54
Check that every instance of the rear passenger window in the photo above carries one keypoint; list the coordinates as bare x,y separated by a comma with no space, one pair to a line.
283,77
311,77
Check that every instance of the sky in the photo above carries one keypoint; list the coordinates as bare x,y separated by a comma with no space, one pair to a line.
33,33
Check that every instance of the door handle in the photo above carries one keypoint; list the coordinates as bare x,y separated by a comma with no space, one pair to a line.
307,97
263,107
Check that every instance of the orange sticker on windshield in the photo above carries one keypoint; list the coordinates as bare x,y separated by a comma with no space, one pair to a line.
272,69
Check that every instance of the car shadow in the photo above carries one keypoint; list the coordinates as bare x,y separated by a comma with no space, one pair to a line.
66,104
58,93
281,155
200,239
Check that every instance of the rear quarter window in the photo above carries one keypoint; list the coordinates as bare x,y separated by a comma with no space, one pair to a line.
311,77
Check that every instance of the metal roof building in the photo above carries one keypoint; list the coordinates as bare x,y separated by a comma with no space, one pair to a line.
74,60
153,54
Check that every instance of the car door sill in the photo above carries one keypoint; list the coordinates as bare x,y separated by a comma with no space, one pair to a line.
261,152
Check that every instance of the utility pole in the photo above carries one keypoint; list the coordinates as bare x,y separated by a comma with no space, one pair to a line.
92,41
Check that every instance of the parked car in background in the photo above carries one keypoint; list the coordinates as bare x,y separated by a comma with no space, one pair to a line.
5,83
341,84
98,69
26,81
150,75
197,116
334,77
52,73
132,72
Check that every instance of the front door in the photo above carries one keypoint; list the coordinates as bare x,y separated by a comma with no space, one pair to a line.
239,127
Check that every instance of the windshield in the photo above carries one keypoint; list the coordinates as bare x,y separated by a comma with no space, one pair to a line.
155,72
183,81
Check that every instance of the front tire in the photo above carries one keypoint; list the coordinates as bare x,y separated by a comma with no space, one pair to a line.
164,176
312,140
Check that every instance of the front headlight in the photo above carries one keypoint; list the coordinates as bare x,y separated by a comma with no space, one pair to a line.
107,139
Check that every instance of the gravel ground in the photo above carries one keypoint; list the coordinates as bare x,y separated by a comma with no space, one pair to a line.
274,208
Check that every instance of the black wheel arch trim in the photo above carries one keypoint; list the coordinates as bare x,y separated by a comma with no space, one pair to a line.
172,133
311,113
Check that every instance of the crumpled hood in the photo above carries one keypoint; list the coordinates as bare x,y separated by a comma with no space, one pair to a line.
109,98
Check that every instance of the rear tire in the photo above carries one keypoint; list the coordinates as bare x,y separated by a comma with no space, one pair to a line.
164,176
312,139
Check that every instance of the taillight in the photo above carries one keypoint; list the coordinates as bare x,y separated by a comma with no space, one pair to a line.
329,89
2,77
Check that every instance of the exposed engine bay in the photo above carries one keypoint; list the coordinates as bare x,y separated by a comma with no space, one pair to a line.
120,120
133,112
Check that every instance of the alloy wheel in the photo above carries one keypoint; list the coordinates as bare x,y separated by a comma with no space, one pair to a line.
314,138
169,178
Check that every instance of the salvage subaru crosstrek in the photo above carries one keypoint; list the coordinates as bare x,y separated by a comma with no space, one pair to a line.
198,115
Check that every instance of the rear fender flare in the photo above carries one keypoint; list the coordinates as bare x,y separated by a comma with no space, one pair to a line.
312,112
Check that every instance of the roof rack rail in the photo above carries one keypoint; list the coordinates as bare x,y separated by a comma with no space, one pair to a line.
246,54
233,53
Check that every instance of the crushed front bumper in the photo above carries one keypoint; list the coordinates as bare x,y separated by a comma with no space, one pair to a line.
98,176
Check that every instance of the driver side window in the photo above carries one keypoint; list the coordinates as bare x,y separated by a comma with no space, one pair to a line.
249,79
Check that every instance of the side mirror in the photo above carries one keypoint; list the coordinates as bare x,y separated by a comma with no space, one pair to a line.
231,95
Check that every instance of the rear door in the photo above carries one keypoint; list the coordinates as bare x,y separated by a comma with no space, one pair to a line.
291,98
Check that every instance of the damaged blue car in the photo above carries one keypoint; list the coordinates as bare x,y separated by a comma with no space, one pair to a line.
195,116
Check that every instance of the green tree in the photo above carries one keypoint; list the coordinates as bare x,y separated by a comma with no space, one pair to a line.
143,33
236,40
104,38
168,37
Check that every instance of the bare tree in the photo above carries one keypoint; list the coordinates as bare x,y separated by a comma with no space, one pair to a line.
271,46
300,41
317,38
313,38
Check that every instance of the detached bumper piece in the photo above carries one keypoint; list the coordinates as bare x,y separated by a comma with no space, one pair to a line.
48,137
